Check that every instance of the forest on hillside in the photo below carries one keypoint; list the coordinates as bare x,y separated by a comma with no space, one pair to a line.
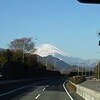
17,63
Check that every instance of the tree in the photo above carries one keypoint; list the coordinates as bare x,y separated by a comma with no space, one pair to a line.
3,57
23,44
9,55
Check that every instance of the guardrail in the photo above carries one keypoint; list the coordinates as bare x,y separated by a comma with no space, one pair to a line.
86,93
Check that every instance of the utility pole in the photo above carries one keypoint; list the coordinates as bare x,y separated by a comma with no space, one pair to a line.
47,60
78,70
23,58
98,71
85,71
56,62
82,70
98,34
89,69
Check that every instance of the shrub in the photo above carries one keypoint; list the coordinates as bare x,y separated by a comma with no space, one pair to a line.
70,87
77,80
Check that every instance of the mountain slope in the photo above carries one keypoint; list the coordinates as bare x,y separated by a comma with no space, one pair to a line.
46,50
53,63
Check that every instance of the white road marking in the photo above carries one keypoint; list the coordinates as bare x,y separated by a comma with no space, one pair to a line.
67,91
44,89
47,85
21,88
37,96
15,90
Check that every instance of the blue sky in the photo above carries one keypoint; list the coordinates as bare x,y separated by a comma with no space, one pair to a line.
67,24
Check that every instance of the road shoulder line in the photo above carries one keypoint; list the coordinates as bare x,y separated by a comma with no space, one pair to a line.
67,91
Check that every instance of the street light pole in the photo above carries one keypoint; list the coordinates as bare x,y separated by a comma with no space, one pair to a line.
23,57
98,70
56,62
78,70
98,34
47,61
24,51
82,70
98,76
89,69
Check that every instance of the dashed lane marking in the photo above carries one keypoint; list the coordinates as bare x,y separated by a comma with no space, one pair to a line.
37,96
44,89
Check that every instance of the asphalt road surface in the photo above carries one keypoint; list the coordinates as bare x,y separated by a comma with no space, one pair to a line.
51,89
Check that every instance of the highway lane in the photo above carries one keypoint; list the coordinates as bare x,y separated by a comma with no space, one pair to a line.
47,90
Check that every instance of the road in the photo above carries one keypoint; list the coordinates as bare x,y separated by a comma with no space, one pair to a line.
51,89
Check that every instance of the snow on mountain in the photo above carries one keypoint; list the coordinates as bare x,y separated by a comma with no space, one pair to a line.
46,50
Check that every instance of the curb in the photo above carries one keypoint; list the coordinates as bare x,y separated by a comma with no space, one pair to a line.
67,91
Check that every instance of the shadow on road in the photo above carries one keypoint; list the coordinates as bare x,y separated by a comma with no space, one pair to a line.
53,85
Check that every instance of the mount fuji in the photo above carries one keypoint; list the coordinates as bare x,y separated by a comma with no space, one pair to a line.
50,50
46,50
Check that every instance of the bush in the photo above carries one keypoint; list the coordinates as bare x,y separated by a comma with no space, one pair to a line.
77,80
70,87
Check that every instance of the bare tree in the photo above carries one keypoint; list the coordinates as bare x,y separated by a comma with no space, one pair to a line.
23,44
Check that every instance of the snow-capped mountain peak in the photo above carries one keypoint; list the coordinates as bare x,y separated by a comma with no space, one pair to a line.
48,49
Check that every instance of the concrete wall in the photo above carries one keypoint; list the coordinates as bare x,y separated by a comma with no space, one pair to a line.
87,94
